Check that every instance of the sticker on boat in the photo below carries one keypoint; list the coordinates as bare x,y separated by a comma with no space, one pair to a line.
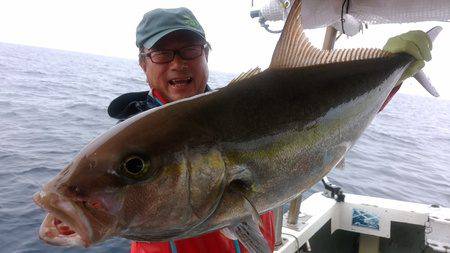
361,218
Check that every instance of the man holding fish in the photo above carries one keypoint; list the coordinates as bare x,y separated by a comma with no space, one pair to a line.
173,177
173,53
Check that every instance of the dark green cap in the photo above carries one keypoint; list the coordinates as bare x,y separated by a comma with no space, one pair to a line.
159,22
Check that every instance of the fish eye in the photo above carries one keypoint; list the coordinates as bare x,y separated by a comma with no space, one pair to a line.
134,167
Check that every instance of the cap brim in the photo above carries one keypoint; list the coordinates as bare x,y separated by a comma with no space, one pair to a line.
152,41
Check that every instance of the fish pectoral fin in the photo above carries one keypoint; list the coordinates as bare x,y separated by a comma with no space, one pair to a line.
252,210
228,233
245,75
238,188
249,234
247,231
240,177
294,49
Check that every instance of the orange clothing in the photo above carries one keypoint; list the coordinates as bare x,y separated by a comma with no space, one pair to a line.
213,242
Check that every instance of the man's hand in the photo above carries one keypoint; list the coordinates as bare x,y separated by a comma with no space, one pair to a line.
415,43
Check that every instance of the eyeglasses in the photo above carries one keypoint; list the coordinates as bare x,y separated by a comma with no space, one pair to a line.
166,56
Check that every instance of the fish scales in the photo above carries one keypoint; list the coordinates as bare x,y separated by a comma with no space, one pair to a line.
290,136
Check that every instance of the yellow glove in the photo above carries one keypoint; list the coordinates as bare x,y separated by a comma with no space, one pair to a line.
415,43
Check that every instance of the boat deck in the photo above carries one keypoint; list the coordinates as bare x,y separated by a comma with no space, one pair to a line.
366,224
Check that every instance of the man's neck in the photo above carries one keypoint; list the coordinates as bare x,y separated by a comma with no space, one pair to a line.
157,95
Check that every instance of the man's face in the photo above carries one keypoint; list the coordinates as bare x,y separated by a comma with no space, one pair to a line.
179,78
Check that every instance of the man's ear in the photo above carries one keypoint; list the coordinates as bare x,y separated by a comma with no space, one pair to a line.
207,49
206,54
143,65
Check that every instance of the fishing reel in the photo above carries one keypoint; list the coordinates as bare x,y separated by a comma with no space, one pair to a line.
278,10
275,10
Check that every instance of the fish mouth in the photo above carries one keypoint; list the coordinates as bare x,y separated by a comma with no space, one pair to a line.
65,223
178,82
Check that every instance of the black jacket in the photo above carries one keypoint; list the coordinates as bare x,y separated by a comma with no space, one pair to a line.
130,104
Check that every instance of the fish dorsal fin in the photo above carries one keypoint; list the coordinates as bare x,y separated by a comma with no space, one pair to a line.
294,49
245,75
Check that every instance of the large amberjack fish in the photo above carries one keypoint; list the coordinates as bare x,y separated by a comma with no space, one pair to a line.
217,160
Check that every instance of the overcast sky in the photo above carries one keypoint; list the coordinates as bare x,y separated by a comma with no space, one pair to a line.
239,43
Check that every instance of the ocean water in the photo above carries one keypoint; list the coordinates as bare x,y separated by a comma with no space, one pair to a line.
54,102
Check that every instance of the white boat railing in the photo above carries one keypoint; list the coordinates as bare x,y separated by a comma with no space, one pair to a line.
367,216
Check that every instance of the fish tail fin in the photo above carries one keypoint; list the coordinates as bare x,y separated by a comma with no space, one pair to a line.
420,76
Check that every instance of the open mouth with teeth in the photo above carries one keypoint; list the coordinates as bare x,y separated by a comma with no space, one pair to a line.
65,224
180,81
56,232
